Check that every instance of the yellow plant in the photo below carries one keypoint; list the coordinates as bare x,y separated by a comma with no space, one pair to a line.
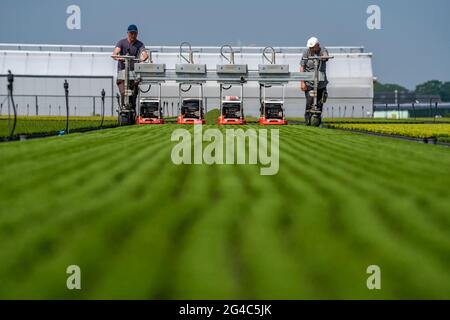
408,130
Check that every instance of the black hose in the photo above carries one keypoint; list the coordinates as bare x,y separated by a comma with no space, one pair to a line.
118,100
103,108
187,90
146,91
10,93
66,90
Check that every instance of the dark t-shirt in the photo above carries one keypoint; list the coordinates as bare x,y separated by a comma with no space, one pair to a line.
129,49
309,67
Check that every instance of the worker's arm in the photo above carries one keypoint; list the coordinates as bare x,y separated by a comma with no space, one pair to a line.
144,55
325,54
116,52
302,83
302,69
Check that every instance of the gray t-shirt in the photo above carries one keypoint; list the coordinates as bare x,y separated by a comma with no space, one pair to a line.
129,49
309,67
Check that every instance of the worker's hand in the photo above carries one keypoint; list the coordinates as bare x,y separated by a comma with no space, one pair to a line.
303,86
117,57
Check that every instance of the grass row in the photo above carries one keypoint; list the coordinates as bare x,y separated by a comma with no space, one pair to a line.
50,124
113,203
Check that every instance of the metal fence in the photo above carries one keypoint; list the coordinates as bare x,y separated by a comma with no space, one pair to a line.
433,109
30,115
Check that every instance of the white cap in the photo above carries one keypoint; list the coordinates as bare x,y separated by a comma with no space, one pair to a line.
312,42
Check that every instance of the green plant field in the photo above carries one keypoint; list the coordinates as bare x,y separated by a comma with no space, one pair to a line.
49,124
437,131
378,120
112,202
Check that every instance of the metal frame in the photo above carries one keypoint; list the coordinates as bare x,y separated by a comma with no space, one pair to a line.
236,74
191,74
128,93
212,75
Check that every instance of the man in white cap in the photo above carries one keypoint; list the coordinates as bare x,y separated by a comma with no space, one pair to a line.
314,49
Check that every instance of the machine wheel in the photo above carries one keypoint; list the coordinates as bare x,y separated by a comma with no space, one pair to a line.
316,120
126,119
307,119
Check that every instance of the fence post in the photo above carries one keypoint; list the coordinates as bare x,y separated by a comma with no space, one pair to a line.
93,106
118,103
28,109
66,93
10,79
430,108
398,111
386,111
37,105
103,93
435,110
49,109
414,110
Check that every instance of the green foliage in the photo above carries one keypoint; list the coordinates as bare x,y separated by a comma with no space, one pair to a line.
387,87
435,87
429,88
212,116
141,227
445,92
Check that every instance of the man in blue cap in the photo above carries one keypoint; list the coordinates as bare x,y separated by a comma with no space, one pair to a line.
130,46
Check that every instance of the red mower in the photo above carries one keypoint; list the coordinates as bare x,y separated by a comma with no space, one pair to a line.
231,112
231,108
191,111
150,110
271,110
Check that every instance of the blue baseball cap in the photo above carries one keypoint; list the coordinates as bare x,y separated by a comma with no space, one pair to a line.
132,28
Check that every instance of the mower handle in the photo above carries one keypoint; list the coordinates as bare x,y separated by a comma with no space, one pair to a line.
318,58
122,58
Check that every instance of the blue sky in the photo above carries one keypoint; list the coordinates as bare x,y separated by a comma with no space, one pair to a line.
413,45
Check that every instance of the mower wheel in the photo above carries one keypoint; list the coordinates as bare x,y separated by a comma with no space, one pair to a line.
316,120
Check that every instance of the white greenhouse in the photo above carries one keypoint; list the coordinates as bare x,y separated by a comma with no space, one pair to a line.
40,72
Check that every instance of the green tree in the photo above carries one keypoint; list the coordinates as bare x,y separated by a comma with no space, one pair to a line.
388,87
445,91
429,88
